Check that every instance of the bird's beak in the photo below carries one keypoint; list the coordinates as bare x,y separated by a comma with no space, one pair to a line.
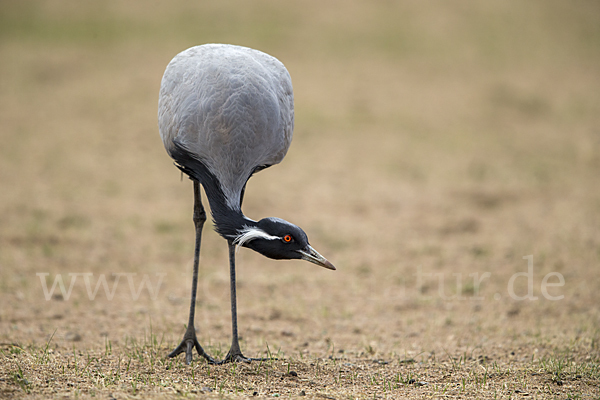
313,256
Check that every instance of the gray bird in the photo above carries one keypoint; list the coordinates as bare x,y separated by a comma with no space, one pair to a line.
224,113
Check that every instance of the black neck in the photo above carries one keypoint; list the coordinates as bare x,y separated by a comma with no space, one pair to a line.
228,222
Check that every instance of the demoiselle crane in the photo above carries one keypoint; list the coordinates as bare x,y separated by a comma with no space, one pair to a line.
226,112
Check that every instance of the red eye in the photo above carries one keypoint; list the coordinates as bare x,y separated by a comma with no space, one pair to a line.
287,238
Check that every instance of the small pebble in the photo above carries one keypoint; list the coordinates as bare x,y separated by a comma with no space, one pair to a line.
302,393
381,362
73,337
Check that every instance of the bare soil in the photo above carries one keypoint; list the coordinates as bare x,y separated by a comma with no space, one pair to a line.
446,158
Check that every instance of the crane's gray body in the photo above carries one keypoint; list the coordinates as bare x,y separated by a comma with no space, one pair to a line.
232,107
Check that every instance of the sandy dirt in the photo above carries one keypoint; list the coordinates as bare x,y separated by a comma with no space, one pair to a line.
446,158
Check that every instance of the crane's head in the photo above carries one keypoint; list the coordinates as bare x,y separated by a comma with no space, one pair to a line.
280,240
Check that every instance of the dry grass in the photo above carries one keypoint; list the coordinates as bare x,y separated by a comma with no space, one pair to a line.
434,143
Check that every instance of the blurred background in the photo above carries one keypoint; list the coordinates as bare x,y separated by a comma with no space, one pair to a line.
452,138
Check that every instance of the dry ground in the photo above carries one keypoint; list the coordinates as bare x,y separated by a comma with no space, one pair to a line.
437,144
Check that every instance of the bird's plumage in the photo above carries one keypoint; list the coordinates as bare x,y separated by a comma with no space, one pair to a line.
231,107
224,113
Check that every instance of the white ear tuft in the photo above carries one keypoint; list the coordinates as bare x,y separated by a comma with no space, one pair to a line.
250,233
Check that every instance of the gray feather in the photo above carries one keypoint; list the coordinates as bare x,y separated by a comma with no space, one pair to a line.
233,107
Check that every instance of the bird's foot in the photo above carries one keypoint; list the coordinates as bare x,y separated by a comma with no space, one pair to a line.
235,355
235,358
240,358
188,344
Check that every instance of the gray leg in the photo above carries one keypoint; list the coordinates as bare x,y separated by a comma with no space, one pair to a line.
235,354
189,338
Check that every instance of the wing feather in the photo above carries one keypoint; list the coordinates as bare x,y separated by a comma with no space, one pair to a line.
232,106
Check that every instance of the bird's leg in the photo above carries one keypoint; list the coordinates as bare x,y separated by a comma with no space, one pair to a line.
189,338
235,353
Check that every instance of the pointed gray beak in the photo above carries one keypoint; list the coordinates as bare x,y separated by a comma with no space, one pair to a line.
313,256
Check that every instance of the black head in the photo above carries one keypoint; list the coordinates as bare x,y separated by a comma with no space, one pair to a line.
278,239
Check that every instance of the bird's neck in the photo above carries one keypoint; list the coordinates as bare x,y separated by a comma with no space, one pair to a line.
229,223
229,219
